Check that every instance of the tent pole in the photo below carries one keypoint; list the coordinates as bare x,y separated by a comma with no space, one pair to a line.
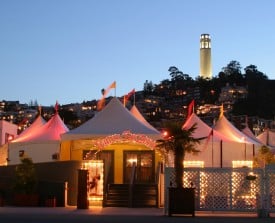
212,148
244,151
221,153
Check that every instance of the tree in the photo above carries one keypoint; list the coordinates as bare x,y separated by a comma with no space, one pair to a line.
232,73
25,177
252,74
180,141
148,87
261,95
264,156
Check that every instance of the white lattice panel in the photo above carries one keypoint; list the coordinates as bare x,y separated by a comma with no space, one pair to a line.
270,173
226,188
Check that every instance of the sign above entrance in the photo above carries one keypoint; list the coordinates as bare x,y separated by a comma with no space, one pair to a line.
126,136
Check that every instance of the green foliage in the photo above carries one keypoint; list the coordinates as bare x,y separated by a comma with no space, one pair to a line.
264,156
180,141
25,177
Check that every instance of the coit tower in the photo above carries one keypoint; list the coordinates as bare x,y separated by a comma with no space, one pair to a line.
205,56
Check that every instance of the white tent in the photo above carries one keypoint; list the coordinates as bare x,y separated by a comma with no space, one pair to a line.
203,130
267,137
243,148
41,143
225,127
222,145
134,110
247,131
113,119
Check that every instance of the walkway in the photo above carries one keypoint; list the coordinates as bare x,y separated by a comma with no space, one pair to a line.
120,215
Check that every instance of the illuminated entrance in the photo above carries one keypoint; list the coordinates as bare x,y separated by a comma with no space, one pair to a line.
108,158
144,162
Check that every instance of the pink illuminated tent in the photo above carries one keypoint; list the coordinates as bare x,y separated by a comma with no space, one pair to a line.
31,130
42,144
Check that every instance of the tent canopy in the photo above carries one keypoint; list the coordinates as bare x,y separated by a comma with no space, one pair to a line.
113,119
203,130
50,131
226,128
135,112
267,137
250,134
28,133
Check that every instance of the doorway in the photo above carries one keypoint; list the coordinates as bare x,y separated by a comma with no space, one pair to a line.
145,166
108,158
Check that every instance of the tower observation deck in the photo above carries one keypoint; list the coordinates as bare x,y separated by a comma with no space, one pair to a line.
205,56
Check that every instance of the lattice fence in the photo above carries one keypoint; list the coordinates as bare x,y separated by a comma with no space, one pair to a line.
238,189
270,188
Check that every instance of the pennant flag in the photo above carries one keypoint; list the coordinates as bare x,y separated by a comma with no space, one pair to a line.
107,90
191,108
56,106
221,111
100,103
113,85
127,96
39,110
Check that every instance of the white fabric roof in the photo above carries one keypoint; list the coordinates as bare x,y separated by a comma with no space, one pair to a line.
226,128
28,132
140,117
250,134
50,131
113,119
267,137
203,130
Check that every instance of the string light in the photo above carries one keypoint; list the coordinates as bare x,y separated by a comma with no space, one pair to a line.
126,136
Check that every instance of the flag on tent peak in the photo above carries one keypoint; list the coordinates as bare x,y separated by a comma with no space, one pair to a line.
127,96
221,111
100,103
113,85
56,106
39,109
190,108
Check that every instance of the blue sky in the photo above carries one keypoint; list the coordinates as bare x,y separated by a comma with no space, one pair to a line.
68,50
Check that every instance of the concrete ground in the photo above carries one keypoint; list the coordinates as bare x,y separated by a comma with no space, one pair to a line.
120,215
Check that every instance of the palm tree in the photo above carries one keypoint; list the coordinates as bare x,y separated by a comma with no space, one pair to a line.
180,141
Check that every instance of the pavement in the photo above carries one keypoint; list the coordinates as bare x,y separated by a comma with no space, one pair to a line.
113,214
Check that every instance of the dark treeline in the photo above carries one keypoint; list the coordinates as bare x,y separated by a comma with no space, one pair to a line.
260,99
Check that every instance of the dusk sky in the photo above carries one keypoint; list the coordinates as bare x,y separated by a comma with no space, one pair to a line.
68,50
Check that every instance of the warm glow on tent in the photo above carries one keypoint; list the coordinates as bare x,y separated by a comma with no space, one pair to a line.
242,163
198,164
